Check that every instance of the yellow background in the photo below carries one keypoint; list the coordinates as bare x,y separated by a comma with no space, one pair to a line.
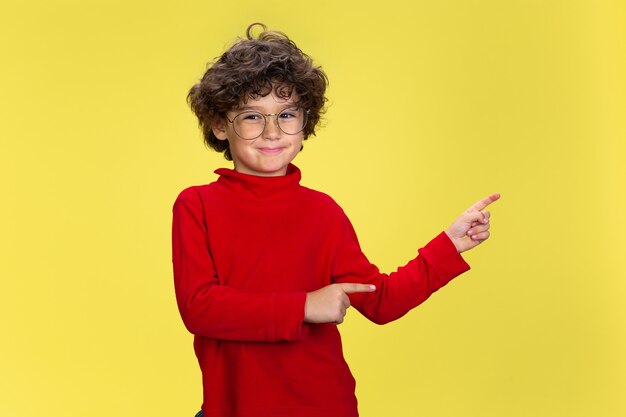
432,106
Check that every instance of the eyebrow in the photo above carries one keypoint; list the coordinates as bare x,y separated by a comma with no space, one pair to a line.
259,108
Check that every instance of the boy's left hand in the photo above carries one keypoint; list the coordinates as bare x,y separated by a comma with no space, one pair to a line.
472,227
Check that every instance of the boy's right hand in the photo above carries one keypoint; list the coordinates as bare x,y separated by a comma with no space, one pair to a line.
329,303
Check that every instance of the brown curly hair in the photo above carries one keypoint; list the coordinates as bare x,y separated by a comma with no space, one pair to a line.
252,68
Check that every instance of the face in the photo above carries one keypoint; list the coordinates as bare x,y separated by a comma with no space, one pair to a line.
269,154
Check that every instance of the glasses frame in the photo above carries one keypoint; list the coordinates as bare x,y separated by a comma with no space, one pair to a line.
265,116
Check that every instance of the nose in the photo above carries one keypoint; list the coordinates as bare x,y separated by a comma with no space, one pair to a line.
271,131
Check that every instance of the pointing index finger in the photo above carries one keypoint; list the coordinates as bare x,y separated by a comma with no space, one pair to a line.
352,288
480,205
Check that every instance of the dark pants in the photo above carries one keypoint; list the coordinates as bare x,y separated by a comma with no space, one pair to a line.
199,414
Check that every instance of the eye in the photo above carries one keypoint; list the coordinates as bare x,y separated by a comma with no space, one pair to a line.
250,117
288,114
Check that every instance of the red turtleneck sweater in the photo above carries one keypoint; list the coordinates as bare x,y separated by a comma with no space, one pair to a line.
246,250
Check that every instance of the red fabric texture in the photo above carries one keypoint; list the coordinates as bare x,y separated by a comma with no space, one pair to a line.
246,250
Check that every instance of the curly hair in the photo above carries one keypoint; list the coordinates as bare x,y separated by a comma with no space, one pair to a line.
252,68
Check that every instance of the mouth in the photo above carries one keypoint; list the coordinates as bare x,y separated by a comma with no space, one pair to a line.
270,150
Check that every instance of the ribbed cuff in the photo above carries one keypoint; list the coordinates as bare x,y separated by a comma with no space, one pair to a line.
444,258
288,317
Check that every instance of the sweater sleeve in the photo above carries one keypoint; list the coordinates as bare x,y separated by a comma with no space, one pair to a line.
218,311
397,293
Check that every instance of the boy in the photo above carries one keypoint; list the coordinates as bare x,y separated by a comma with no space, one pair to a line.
265,268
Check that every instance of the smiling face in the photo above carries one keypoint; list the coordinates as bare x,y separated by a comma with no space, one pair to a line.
269,154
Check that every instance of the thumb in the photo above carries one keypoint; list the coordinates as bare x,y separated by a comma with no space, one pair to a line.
349,288
474,216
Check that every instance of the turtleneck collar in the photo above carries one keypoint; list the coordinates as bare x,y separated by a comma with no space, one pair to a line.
260,187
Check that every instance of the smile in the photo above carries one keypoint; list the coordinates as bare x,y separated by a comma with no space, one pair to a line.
270,150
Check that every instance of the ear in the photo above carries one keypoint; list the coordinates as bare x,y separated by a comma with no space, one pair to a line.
219,129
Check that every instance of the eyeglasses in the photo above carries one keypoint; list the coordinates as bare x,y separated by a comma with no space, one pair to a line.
250,125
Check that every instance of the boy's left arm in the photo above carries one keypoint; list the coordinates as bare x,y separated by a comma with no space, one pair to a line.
437,263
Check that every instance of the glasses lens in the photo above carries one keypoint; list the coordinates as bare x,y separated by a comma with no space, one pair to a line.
249,125
292,121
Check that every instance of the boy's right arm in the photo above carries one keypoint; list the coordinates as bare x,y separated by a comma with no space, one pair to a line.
219,311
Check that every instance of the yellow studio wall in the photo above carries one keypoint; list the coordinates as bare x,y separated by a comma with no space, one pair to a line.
432,106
